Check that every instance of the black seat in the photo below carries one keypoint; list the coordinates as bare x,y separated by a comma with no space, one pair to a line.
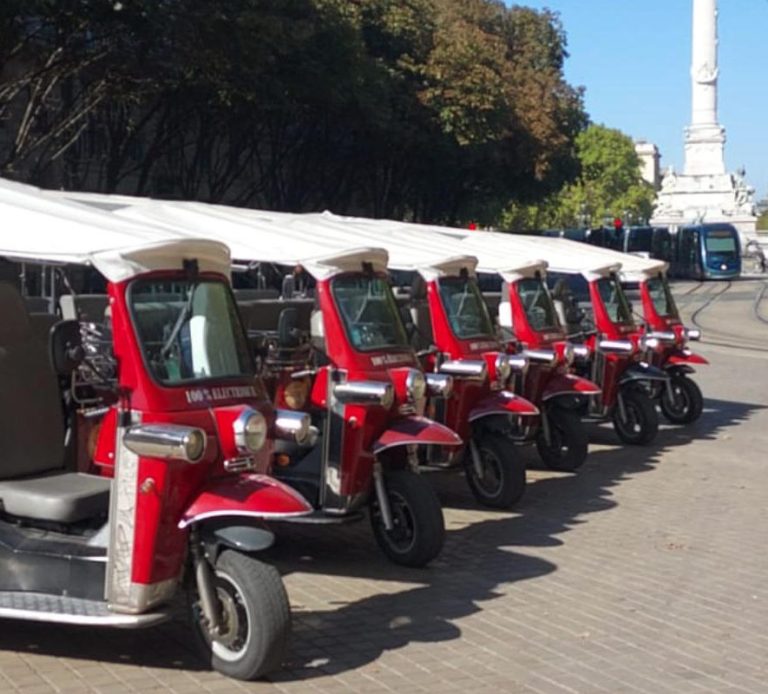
33,481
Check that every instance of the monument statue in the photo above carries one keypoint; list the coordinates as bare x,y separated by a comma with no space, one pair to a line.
705,190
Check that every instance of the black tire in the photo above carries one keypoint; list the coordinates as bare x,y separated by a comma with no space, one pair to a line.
569,441
255,607
419,528
501,483
688,401
642,422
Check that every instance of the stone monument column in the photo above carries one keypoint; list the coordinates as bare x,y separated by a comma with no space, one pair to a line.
705,191
705,137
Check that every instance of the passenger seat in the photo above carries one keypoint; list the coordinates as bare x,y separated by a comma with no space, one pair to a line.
33,481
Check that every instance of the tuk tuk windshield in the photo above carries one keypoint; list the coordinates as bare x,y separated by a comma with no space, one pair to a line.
538,304
369,312
465,308
189,330
614,299
663,302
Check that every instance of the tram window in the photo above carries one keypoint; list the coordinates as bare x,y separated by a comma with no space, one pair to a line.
720,242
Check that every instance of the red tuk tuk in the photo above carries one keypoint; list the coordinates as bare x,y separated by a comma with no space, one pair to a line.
147,478
360,378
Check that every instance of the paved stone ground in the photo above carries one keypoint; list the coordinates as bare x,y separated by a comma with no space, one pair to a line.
646,572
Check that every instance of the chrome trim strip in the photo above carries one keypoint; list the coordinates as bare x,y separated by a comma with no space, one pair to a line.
127,621
183,523
122,514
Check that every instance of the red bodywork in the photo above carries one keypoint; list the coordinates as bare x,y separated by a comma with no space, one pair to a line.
667,355
544,382
169,494
472,399
365,429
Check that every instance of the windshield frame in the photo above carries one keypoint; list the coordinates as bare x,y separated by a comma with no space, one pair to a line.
399,327
623,302
550,309
474,290
248,367
668,297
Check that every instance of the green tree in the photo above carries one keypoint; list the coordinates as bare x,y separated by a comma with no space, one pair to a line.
609,185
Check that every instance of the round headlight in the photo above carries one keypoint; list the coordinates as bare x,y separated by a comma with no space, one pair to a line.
503,369
250,431
194,445
296,393
415,385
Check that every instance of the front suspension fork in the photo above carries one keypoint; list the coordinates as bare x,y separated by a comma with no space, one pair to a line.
206,588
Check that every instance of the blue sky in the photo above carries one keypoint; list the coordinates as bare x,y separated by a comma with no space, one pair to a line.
633,58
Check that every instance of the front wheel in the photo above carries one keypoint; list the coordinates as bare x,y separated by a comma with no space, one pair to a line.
641,423
418,528
497,477
568,441
256,618
686,403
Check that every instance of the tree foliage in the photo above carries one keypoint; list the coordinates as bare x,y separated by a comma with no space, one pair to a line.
609,185
435,110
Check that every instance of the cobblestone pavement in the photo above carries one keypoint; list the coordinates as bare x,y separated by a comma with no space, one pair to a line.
645,572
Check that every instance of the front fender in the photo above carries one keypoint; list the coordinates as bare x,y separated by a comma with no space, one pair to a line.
252,496
682,358
505,403
642,372
416,431
568,384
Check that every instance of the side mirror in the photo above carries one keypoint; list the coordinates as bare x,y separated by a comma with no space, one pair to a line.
287,333
66,347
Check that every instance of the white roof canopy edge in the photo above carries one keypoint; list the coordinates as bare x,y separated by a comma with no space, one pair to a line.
37,228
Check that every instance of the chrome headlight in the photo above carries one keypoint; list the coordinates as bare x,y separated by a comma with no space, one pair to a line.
365,393
649,342
518,363
166,441
465,368
624,346
439,385
294,426
503,369
580,352
415,385
542,356
692,334
250,431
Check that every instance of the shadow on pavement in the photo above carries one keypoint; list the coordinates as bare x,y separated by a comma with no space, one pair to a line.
479,560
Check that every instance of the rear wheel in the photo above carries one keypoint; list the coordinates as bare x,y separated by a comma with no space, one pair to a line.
641,423
497,477
418,528
256,618
686,404
568,441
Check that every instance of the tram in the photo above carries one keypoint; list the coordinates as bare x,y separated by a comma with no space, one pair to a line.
707,251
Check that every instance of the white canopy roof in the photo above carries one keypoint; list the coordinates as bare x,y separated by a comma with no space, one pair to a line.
561,255
254,238
444,240
39,228
429,254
